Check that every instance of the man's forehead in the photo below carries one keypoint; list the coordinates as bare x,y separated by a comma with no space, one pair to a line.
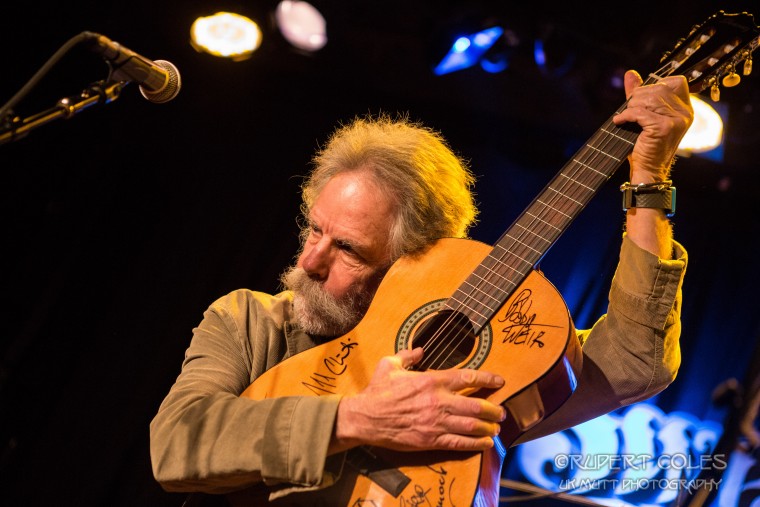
352,208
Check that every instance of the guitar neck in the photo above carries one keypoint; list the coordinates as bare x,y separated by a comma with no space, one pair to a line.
710,55
526,241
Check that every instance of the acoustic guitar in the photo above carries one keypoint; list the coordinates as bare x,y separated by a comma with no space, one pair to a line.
470,305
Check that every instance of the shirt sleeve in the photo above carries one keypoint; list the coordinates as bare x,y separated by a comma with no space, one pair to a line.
206,438
632,352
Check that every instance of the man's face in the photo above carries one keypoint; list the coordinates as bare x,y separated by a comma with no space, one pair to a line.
344,256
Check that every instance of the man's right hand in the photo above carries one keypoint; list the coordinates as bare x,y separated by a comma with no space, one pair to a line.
413,411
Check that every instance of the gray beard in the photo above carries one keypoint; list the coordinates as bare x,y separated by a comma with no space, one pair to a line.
319,313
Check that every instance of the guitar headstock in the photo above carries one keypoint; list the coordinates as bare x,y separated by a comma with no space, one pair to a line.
713,52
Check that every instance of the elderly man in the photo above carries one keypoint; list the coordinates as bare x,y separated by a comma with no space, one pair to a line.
380,190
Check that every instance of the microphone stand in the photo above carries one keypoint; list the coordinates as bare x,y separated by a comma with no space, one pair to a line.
97,93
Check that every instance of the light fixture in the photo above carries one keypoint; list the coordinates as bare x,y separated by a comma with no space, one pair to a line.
706,132
227,35
468,50
301,24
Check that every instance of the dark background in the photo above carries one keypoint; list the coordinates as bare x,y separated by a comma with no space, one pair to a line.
123,223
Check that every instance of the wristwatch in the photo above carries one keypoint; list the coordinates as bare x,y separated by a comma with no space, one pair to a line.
660,195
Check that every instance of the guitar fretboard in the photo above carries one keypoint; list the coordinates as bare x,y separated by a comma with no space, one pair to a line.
527,240
711,50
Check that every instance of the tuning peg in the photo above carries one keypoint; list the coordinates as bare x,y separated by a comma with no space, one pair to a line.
715,92
731,79
747,66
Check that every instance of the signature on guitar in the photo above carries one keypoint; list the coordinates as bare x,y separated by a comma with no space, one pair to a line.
521,327
336,365
422,497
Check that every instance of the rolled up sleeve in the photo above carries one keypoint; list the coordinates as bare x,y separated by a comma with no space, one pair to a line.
632,352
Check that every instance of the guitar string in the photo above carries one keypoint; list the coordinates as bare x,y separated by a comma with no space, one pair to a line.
667,69
612,138
556,190
539,230
609,135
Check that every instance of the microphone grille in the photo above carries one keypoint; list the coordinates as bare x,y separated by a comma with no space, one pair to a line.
170,90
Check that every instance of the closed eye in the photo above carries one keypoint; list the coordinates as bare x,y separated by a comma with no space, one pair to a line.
349,249
346,246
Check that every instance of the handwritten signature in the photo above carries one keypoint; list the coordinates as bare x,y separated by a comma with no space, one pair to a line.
521,328
324,383
420,497
337,365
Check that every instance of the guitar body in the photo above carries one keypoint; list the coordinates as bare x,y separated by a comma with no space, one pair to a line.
530,342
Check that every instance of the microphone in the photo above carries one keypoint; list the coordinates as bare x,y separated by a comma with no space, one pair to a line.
159,80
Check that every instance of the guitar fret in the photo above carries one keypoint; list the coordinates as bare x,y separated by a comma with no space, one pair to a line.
462,304
530,232
565,195
524,243
481,291
542,220
604,153
555,209
578,182
529,264
502,277
589,168
627,141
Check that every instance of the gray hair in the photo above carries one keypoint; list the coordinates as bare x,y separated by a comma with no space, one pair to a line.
412,163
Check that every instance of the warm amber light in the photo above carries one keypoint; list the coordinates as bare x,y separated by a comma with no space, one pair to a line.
226,34
706,133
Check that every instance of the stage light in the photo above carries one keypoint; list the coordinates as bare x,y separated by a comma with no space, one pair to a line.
302,25
461,45
468,50
227,35
706,133
539,55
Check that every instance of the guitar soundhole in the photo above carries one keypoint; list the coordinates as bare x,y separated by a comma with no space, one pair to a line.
448,340
446,336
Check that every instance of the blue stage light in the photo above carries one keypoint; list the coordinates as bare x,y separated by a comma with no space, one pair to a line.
468,50
461,45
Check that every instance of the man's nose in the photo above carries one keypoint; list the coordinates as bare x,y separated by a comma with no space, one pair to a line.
316,260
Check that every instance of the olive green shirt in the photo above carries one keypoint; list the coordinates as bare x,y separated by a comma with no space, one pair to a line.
206,438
